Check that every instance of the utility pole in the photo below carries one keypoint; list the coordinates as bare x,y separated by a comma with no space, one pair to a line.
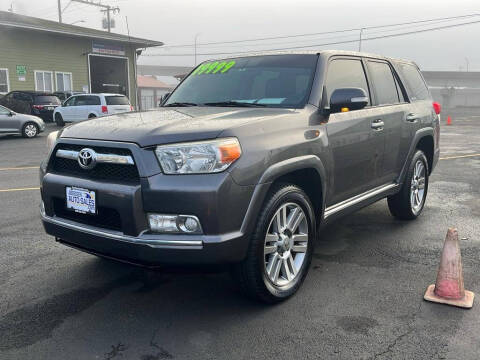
106,9
196,36
60,11
360,40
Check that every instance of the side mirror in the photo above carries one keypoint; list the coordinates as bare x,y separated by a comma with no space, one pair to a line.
346,99
11,113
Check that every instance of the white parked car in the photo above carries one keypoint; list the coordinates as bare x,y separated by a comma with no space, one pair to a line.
88,106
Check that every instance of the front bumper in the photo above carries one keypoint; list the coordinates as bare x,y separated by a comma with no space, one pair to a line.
145,249
216,200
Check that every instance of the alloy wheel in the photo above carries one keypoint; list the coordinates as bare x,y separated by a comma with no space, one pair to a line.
417,187
286,244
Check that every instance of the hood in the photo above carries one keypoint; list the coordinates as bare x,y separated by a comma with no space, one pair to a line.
25,117
168,125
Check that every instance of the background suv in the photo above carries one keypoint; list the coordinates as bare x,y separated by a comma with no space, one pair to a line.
41,104
88,106
247,159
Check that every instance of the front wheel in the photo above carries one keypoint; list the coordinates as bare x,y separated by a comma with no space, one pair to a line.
59,120
408,203
30,130
281,247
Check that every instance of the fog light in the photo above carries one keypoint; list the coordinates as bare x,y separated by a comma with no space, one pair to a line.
188,224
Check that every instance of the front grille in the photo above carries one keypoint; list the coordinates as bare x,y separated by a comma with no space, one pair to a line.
105,218
102,171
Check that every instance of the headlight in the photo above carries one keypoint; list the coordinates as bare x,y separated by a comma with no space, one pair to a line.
198,157
51,139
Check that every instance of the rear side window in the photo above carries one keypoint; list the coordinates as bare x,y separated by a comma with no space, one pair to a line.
383,83
92,100
46,99
117,100
345,73
416,87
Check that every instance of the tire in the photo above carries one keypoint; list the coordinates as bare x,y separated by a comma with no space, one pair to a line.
277,252
59,120
30,130
406,205
92,116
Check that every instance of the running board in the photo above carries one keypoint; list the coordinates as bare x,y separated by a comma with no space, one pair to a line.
357,199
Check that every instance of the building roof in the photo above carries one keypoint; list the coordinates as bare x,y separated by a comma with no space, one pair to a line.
8,19
151,82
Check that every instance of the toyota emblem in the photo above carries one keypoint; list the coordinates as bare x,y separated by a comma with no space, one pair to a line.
87,159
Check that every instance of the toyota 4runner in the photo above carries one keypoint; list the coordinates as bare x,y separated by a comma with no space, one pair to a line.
244,162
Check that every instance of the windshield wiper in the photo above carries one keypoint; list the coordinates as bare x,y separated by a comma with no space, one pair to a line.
233,104
180,104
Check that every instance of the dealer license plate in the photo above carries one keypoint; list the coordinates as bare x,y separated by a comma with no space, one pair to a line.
81,200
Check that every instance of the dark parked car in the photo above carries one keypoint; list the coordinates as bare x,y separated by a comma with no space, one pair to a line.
41,104
244,163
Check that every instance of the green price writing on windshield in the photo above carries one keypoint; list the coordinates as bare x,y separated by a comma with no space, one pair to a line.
214,68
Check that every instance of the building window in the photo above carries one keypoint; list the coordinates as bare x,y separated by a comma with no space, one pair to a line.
63,81
4,81
43,81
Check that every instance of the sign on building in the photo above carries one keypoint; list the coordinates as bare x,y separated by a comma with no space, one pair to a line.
21,70
108,49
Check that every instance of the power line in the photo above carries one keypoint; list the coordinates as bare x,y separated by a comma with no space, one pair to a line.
329,43
325,32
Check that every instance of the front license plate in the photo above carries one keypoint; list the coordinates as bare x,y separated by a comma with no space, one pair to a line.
81,200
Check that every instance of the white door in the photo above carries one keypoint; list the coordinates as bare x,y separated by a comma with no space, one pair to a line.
68,109
82,107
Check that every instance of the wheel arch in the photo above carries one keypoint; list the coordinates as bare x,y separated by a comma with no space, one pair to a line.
298,171
421,141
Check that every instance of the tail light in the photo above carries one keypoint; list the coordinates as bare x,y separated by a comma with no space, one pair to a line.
38,107
131,108
104,109
437,107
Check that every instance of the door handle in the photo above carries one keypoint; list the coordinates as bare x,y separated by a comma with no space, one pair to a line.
413,118
377,125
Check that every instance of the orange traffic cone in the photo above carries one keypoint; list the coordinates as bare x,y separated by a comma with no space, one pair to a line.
448,288
449,120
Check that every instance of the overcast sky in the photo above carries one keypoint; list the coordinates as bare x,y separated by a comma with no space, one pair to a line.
177,22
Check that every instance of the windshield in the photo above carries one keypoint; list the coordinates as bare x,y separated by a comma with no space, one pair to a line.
270,81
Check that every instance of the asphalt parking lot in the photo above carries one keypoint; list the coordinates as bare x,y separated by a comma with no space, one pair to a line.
361,300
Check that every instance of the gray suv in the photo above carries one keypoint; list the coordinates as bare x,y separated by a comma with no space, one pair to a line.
243,164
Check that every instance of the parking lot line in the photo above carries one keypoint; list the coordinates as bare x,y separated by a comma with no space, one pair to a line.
20,189
459,156
19,168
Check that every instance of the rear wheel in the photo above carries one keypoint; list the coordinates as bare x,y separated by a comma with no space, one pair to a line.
59,119
408,203
281,247
92,116
30,130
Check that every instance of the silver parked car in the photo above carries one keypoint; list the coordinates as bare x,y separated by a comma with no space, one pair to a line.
11,122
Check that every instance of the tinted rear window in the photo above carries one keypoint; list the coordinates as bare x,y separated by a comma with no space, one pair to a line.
416,87
117,100
47,100
383,83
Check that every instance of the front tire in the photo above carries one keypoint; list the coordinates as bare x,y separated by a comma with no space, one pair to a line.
408,203
281,246
59,120
30,130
